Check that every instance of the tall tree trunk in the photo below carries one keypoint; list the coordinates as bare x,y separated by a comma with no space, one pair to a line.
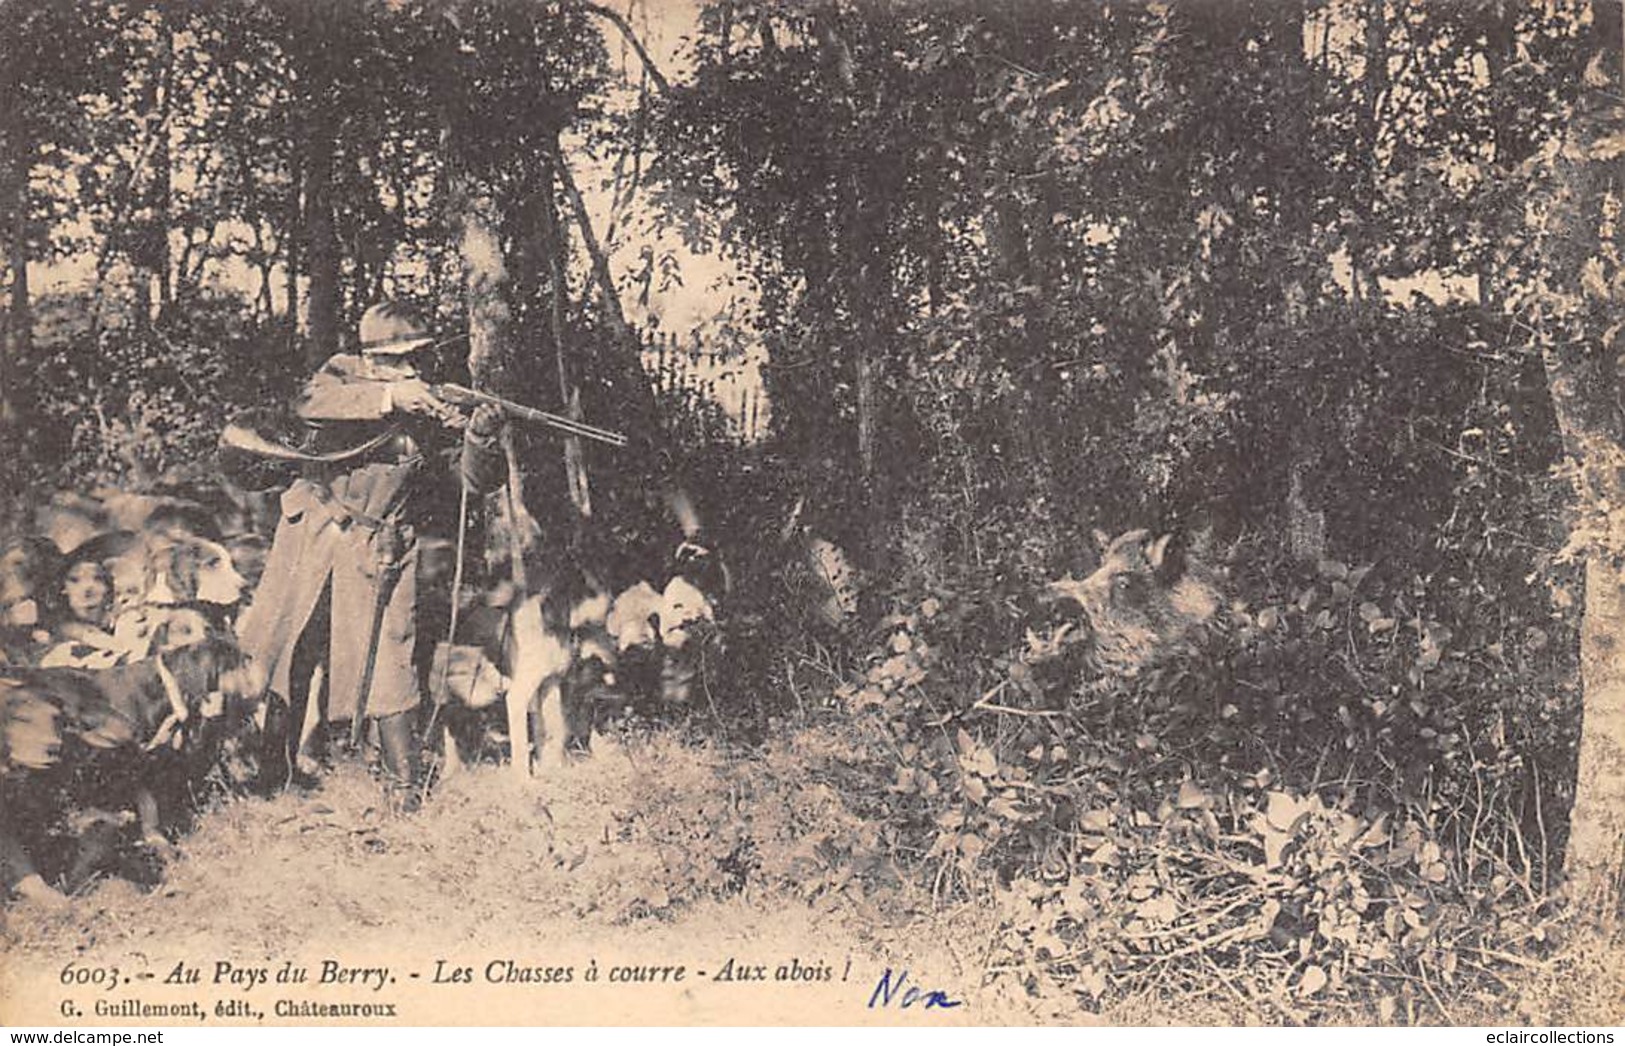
290,237
557,246
148,217
860,263
485,284
322,263
1291,174
162,174
19,330
856,264
475,221
1373,97
322,247
1582,364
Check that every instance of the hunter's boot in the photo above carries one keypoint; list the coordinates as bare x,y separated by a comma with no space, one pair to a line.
398,748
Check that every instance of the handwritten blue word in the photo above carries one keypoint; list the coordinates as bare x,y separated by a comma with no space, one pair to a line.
886,991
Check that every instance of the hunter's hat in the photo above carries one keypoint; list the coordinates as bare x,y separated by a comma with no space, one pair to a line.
388,329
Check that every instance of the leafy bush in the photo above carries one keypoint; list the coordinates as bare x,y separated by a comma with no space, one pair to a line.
123,406
1302,909
1339,789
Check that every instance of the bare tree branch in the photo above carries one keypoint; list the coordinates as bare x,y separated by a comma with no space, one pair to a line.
637,45
600,261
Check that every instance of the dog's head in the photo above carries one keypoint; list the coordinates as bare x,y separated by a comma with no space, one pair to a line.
189,569
212,668
465,674
30,732
231,723
248,552
633,617
685,613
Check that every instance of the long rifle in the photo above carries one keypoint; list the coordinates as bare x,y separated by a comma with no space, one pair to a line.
463,396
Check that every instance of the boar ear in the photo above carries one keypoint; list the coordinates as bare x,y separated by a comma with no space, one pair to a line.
1102,542
1133,539
1167,559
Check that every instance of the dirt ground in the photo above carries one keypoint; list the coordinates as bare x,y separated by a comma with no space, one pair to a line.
544,902
477,905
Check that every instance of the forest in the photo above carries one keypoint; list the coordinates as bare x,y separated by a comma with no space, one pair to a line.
1323,291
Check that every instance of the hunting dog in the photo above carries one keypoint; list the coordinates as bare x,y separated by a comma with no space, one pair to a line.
565,647
130,739
542,652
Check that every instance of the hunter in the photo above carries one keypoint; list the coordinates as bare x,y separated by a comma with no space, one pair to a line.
340,581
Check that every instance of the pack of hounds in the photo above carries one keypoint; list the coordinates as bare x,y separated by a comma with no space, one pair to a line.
126,702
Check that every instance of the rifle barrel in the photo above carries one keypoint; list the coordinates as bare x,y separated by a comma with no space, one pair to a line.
570,425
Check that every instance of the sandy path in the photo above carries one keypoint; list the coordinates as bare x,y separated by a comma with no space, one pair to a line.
500,903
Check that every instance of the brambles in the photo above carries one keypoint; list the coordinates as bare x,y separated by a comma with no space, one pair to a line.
1314,798
1307,911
